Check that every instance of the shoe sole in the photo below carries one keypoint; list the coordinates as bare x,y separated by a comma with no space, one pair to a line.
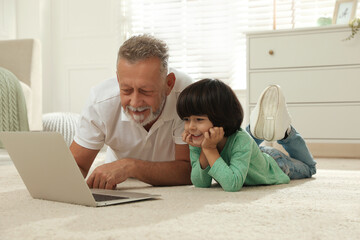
265,126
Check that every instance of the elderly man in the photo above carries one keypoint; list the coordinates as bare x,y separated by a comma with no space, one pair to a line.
135,116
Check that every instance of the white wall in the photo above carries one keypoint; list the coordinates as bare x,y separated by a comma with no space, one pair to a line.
7,19
33,21
84,49
241,95
79,44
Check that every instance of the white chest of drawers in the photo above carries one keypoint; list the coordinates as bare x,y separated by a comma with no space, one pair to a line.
320,76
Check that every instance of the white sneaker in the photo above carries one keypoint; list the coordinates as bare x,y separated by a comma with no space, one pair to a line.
270,118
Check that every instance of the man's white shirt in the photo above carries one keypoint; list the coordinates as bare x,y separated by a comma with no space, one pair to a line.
103,121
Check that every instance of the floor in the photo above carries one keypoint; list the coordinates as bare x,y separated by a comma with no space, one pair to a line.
324,207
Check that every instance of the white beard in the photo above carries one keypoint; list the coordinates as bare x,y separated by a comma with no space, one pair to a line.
140,119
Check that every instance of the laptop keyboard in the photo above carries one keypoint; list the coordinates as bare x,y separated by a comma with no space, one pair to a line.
102,198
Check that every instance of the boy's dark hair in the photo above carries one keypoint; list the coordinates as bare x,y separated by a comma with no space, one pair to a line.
215,99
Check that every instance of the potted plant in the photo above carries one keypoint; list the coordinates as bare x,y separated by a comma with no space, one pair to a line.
355,26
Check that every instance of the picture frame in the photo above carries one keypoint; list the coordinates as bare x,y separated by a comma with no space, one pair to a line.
344,11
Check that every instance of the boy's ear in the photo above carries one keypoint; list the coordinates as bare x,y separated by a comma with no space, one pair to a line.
170,83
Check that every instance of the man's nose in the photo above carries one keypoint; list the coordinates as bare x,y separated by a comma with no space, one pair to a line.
135,100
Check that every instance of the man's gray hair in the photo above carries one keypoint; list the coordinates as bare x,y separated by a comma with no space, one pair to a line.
142,47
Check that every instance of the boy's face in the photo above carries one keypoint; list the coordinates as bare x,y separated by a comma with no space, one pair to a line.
197,125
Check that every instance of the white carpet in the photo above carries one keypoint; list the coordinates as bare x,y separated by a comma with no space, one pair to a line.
324,207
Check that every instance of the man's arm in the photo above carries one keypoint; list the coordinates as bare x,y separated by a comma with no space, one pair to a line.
155,173
166,173
84,157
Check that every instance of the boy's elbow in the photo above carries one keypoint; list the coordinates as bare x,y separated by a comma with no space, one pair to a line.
200,184
232,187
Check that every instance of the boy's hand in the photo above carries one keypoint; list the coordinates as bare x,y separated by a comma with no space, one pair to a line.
186,137
212,137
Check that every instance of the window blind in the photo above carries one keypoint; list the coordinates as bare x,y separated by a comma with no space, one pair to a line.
206,37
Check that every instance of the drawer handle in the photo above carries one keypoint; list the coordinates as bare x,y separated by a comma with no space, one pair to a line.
271,52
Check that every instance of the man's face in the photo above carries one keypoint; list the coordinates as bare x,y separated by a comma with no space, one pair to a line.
142,89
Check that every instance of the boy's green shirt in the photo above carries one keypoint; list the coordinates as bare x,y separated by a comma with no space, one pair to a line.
240,162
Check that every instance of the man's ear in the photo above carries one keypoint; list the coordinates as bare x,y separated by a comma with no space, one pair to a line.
170,83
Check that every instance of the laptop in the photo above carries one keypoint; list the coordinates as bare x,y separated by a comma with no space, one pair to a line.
49,171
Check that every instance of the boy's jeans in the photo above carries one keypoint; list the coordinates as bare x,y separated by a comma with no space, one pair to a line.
300,164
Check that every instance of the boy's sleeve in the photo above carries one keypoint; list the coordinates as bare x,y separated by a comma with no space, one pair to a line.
199,176
232,177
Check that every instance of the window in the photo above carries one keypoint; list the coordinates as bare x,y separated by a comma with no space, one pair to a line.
206,37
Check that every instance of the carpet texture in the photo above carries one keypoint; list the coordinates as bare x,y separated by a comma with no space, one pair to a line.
326,206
